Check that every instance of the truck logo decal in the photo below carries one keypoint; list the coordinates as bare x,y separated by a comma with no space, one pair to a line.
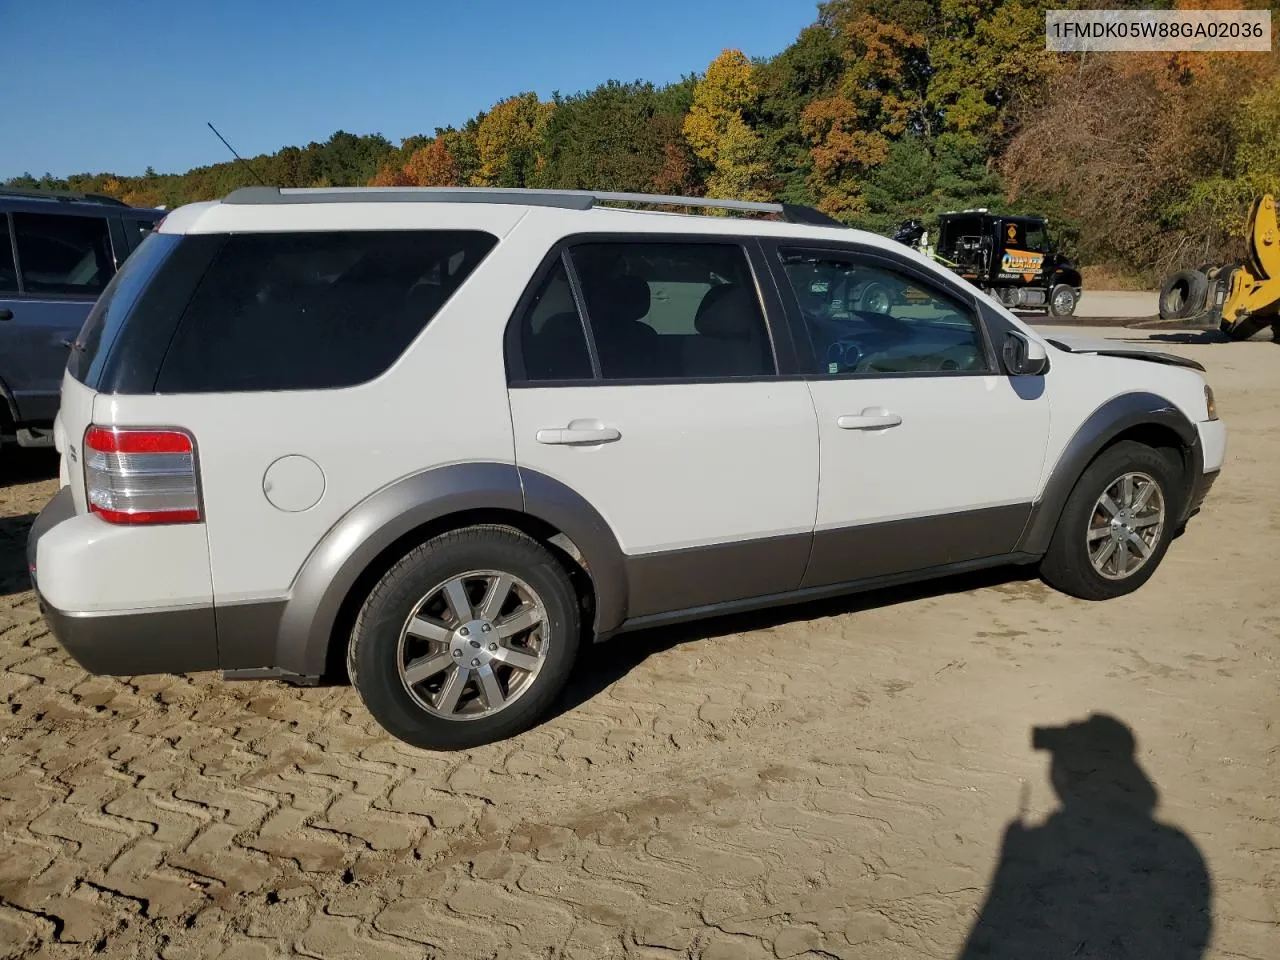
1021,261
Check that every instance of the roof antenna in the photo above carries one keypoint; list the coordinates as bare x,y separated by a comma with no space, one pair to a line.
236,155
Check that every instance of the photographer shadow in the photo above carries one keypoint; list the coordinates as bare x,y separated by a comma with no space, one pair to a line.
1101,877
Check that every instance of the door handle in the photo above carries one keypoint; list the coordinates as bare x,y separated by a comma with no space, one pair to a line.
578,435
6,314
872,418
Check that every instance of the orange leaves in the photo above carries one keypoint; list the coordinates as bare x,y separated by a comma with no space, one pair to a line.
429,166
432,166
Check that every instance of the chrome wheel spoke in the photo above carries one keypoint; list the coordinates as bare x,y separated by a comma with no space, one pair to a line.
1109,505
449,695
495,596
425,629
1143,549
424,668
490,689
516,658
455,594
1097,533
518,622
1103,555
1122,557
1126,490
1140,502
1148,521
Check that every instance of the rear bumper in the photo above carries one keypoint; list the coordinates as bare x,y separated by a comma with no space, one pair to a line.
122,642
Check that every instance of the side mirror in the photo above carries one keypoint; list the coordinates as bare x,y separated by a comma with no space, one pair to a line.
1023,357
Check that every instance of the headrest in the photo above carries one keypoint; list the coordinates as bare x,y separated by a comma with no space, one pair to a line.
727,312
620,298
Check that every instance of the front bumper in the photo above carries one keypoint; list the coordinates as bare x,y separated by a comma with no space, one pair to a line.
179,639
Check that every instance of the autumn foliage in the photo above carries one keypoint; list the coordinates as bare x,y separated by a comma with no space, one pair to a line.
878,111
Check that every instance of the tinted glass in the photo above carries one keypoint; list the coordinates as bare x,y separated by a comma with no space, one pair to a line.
298,311
863,318
113,307
673,310
8,275
552,340
63,254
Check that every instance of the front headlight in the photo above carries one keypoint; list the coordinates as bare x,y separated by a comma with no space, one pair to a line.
1209,402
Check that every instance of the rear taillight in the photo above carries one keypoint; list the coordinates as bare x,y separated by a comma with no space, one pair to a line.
141,476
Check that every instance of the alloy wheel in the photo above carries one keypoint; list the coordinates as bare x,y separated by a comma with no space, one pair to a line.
1126,525
473,645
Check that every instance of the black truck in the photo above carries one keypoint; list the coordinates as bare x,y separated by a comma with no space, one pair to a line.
1011,258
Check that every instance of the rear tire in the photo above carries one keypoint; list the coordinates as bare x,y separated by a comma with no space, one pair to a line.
1136,535
443,678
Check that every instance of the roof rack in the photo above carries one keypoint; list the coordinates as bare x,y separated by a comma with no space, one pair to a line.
65,196
563,199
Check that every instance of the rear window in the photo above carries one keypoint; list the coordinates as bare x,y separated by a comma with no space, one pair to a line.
307,311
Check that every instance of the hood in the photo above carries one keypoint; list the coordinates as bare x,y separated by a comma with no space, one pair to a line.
1110,348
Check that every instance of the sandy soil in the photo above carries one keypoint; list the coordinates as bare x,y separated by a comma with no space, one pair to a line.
828,781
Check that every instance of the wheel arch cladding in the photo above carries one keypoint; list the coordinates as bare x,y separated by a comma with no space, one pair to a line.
1146,417
374,533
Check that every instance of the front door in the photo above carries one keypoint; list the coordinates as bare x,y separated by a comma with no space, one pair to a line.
666,413
929,454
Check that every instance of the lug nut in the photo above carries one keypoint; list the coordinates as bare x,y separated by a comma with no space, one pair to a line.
493,646
485,628
457,653
475,663
465,632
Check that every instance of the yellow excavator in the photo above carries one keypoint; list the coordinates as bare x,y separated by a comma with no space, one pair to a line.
1238,298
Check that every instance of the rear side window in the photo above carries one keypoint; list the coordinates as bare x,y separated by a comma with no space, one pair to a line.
309,311
63,254
552,339
8,273
673,311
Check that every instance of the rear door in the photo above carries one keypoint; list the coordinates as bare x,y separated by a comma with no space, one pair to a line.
645,377
63,261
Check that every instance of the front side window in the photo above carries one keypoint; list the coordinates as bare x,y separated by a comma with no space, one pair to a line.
679,311
865,318
309,311
65,255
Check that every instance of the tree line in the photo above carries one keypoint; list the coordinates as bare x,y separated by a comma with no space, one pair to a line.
879,111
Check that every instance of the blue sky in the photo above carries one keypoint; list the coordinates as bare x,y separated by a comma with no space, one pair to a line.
94,87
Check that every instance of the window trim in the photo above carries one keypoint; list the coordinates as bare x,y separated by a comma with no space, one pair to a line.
16,293
786,357
882,259
47,296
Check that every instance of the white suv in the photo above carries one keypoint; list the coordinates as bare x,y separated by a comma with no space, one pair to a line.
447,435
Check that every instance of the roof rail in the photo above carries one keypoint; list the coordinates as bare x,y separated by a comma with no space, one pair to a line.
65,196
563,199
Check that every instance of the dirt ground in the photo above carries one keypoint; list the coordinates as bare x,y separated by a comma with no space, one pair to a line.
826,781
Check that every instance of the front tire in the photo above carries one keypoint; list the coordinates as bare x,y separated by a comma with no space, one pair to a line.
1116,525
468,639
